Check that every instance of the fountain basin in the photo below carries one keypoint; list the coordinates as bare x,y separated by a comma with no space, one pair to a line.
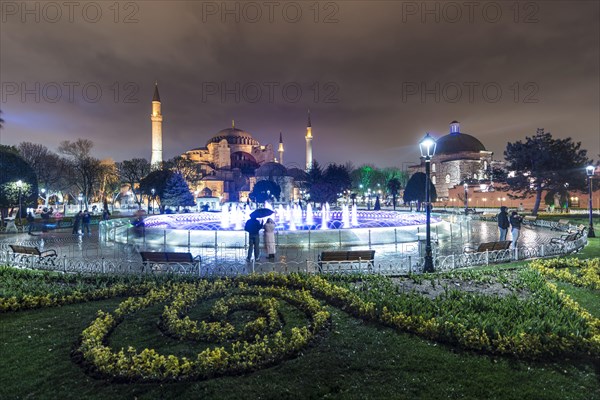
205,230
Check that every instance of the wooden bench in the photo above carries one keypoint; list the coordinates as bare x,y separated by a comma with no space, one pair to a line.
570,237
579,230
488,246
33,251
154,259
346,259
529,220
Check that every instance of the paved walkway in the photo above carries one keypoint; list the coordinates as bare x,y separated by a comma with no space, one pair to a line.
457,233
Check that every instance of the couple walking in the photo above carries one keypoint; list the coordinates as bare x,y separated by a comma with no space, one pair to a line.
504,222
253,227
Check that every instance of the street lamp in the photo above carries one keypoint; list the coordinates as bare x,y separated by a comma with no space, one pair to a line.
466,186
80,198
427,147
20,186
590,173
153,192
369,199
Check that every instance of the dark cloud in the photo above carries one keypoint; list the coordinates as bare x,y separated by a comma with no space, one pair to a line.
364,62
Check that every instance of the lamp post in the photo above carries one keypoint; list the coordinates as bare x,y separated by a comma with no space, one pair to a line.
590,173
20,186
80,198
44,197
153,192
427,147
466,186
369,199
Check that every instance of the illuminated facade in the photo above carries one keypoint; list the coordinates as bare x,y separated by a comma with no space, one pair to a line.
458,157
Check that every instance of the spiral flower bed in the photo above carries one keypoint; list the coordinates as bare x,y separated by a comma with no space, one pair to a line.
259,343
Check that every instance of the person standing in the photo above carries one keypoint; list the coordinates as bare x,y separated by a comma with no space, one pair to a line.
105,215
270,238
515,222
76,222
253,227
30,221
503,223
86,219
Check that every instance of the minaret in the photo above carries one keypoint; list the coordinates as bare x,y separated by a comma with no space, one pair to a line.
156,119
280,149
309,137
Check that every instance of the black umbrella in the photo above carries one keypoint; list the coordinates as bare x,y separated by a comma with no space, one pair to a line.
261,213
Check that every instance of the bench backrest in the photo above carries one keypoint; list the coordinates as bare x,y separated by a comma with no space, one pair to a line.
491,246
25,250
179,257
505,244
571,237
353,255
157,256
530,218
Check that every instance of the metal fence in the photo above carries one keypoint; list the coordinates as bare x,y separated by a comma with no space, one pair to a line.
227,261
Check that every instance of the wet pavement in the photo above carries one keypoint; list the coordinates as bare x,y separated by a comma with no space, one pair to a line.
449,238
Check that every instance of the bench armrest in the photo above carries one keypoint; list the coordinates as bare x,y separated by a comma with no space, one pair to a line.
48,253
469,248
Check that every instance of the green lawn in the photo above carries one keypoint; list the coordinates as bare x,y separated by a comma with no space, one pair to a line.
354,360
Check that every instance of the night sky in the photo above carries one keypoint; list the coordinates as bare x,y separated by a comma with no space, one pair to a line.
369,71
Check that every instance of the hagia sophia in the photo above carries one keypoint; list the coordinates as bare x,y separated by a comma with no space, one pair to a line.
232,161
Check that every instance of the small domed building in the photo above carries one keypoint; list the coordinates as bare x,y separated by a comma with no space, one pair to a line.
458,157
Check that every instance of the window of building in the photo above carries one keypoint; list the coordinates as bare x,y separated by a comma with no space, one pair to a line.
433,179
432,167
447,178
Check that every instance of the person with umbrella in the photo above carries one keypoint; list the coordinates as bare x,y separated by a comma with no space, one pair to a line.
253,227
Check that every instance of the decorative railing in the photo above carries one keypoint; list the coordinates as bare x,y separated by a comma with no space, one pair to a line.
230,262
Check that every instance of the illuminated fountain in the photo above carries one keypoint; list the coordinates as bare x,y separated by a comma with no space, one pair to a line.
294,227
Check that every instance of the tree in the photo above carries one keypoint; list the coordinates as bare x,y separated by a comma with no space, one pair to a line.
323,192
156,180
131,173
263,190
394,186
14,168
88,170
338,176
415,190
51,171
177,193
190,170
543,163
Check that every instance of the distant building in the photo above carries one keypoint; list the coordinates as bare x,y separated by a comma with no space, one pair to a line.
459,157
232,161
